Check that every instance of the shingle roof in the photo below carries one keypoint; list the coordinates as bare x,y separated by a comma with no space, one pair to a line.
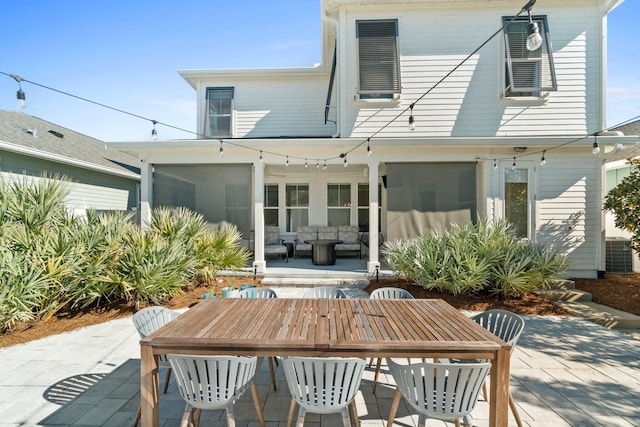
632,128
40,138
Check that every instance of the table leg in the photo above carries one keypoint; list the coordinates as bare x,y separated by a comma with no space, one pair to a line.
149,387
499,389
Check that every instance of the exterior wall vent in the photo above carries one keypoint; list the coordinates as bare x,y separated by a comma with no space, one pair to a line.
619,256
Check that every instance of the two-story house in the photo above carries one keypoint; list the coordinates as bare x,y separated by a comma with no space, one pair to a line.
422,113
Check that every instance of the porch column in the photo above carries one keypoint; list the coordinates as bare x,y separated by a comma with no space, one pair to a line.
146,193
373,264
259,264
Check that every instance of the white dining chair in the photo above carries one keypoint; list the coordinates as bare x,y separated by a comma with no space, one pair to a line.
323,385
385,293
259,292
324,292
442,391
147,321
214,382
508,327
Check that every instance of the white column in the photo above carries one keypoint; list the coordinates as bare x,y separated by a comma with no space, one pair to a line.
259,264
146,193
373,264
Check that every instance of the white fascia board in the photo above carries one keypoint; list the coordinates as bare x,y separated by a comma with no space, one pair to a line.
65,160
194,76
139,148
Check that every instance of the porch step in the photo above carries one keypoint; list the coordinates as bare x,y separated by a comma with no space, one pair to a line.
573,295
579,303
310,282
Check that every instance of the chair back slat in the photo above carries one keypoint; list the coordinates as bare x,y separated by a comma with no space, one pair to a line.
212,382
325,292
390,293
505,325
257,292
442,391
323,385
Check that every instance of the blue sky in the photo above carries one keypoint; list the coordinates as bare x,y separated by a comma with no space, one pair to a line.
126,54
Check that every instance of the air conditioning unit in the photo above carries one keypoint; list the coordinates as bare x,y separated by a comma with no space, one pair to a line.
619,256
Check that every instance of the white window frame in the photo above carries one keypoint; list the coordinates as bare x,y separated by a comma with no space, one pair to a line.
298,207
538,63
378,59
209,117
343,187
529,167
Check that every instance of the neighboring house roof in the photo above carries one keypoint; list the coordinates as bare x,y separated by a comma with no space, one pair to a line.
25,134
630,129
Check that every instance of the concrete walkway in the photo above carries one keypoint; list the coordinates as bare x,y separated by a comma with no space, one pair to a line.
565,372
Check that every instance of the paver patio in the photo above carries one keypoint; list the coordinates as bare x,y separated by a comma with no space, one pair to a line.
565,372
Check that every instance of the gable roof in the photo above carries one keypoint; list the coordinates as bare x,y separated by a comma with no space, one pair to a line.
25,134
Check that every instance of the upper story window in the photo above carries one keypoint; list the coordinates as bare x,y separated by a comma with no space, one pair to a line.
219,111
527,73
378,59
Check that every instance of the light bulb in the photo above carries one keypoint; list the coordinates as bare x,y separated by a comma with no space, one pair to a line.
345,162
412,123
154,134
513,166
596,148
221,151
21,99
534,39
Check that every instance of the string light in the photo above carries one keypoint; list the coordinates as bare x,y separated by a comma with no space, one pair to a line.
306,165
412,121
495,164
543,161
368,147
526,8
154,132
534,39
324,166
287,163
513,166
596,147
20,96
345,162
221,152
261,159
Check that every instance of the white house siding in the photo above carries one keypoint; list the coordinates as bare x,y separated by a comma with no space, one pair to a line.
268,106
569,209
468,103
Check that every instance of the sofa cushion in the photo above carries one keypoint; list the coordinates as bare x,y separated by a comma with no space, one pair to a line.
272,235
306,233
328,232
349,234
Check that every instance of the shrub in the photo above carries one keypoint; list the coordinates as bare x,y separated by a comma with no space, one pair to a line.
51,261
474,258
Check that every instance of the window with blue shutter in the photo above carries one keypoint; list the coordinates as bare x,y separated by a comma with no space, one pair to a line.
378,58
527,73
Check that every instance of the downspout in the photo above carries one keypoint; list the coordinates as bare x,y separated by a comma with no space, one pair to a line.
327,18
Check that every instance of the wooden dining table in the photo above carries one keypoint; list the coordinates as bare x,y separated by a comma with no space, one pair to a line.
322,328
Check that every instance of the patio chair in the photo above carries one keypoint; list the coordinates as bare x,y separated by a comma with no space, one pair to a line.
257,292
323,385
324,292
386,293
508,327
442,391
149,320
214,382
273,244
